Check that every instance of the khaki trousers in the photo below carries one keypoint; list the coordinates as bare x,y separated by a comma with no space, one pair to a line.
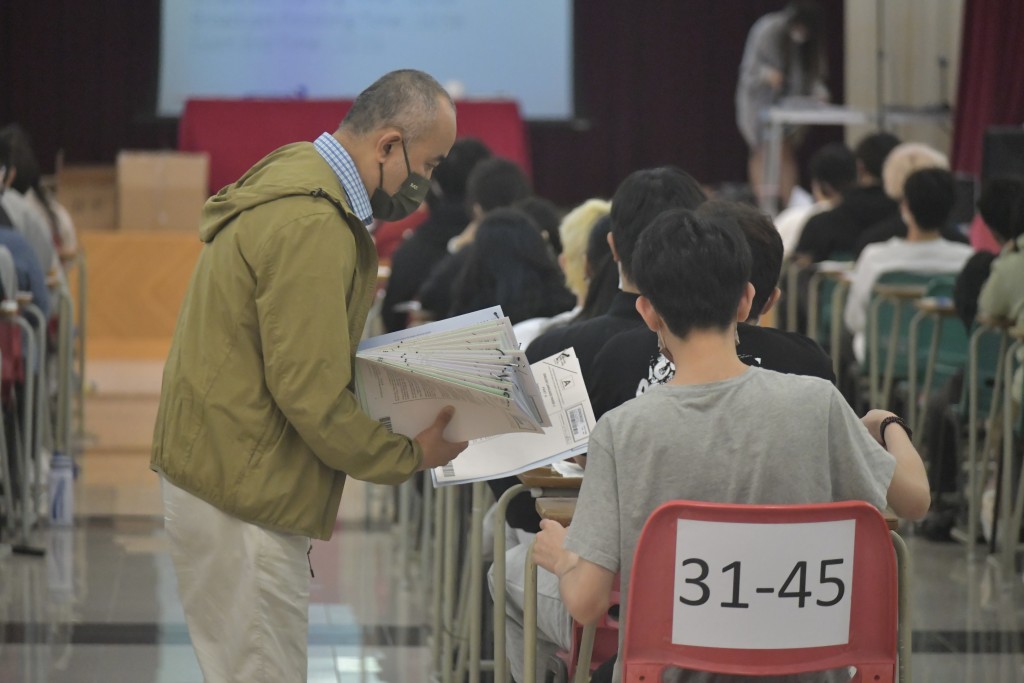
244,589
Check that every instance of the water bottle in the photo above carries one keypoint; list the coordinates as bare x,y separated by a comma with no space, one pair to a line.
62,492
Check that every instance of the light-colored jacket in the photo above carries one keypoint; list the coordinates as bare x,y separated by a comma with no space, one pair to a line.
257,415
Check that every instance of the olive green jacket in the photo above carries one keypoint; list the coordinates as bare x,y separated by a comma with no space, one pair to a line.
257,415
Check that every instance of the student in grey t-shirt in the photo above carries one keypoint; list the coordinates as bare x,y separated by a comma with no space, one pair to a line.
719,431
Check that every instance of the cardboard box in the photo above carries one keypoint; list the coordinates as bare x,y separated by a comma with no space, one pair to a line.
161,190
89,193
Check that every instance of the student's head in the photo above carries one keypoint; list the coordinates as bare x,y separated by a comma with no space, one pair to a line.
833,171
510,265
546,216
928,198
903,160
1001,206
804,38
5,163
765,249
694,272
575,231
640,198
449,182
871,153
23,164
402,124
495,183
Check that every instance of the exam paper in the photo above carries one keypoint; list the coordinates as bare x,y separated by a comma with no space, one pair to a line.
567,404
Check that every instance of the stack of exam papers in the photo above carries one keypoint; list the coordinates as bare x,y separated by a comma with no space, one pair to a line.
515,417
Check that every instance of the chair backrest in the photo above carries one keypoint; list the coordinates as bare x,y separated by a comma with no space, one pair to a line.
951,356
8,274
761,590
895,317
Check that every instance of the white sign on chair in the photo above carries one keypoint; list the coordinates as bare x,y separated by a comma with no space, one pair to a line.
762,586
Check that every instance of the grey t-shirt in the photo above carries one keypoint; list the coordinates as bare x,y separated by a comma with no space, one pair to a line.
759,438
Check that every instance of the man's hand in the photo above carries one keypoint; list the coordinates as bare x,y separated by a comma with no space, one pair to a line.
873,421
549,549
438,452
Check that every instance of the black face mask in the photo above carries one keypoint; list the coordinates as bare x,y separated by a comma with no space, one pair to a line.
408,198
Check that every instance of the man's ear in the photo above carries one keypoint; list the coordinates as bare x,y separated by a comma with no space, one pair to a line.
647,312
746,302
561,261
611,245
772,300
386,140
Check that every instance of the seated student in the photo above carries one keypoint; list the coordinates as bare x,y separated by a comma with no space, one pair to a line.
641,196
719,431
836,231
637,201
546,215
413,260
23,217
573,236
901,162
833,172
509,265
928,197
632,362
492,184
31,277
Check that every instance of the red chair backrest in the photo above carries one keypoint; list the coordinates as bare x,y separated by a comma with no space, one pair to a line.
13,369
765,590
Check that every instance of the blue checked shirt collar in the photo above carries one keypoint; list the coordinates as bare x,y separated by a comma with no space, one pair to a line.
343,166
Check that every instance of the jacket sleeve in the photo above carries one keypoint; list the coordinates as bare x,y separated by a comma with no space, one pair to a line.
305,272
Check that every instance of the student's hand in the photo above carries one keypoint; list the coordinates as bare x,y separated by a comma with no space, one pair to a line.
549,549
437,451
873,421
772,77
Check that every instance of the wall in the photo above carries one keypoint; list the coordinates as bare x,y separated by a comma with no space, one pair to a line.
656,81
917,34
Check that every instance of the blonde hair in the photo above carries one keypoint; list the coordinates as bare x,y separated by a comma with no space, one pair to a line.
574,232
906,158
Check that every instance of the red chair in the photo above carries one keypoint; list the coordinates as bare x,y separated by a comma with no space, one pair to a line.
766,590
591,645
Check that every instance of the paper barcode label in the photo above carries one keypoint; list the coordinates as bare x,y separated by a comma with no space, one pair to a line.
449,471
386,421
578,422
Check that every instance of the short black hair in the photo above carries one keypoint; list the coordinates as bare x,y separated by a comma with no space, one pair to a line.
835,165
451,174
872,150
1001,206
763,239
495,183
694,270
930,194
641,197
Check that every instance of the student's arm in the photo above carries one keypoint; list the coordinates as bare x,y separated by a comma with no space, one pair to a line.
909,495
585,587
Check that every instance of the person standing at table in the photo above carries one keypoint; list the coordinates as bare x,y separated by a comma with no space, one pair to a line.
258,427
784,57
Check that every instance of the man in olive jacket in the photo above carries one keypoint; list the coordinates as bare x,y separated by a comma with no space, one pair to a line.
258,426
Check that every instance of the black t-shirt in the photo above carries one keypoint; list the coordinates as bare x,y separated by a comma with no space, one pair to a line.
589,336
837,231
630,363
586,338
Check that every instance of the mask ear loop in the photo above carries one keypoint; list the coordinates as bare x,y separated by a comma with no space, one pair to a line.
405,153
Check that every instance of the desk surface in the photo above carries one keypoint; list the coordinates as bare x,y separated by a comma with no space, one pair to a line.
941,306
561,510
895,291
548,478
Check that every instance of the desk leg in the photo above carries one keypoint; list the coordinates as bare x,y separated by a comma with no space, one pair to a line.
912,339
438,577
836,333
586,651
449,575
530,619
890,361
770,175
476,578
929,373
1011,510
500,656
904,625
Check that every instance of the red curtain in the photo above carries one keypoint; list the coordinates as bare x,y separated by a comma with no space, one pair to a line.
991,76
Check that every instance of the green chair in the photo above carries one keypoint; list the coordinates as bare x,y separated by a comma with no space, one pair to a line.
889,316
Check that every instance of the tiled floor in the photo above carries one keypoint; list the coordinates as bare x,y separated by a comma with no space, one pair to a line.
102,604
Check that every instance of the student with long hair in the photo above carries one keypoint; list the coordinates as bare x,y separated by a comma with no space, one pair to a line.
510,266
